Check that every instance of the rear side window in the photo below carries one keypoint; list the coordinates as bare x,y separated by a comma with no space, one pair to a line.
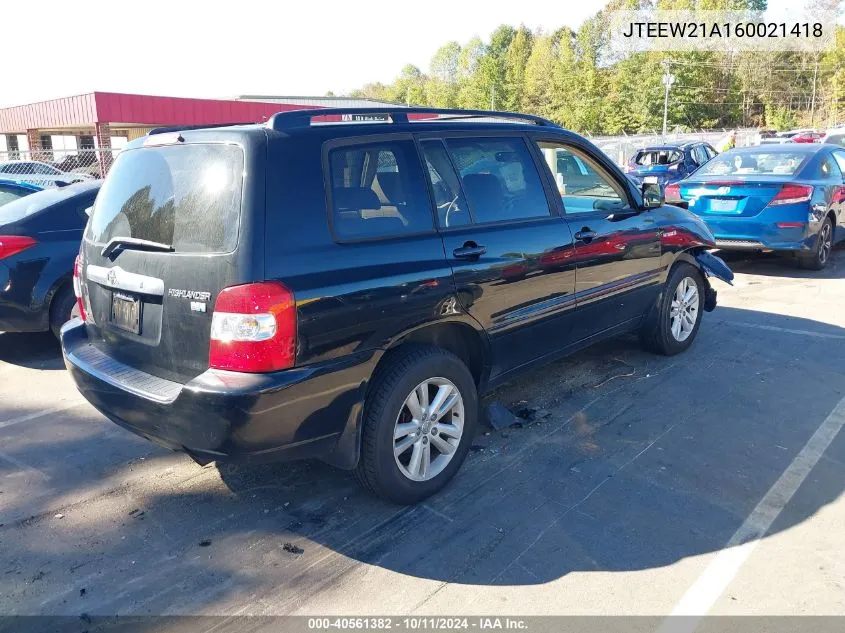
829,170
499,178
699,155
186,196
378,190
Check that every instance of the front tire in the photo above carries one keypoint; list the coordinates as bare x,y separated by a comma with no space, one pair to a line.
673,325
419,421
820,256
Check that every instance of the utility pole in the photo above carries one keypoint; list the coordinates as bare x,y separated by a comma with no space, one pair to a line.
813,103
668,80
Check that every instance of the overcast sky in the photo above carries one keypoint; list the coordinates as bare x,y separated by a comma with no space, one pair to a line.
223,48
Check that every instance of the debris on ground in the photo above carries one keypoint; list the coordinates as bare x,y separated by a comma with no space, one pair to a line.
292,549
60,516
82,592
532,414
499,416
205,542
626,375
38,576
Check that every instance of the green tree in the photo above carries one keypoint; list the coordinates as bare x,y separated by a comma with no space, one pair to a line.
409,88
539,95
516,58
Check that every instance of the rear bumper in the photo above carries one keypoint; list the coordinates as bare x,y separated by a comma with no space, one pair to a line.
762,234
219,415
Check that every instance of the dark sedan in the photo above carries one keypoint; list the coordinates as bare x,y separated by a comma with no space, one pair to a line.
39,240
786,198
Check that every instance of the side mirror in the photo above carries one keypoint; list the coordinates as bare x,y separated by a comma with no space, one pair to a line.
652,195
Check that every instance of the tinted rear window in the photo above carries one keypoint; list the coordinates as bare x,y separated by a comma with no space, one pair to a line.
188,196
17,210
760,163
7,194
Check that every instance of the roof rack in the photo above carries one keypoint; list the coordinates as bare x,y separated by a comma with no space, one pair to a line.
181,128
292,119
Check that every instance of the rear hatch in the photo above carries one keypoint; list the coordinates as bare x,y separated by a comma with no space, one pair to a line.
730,198
162,242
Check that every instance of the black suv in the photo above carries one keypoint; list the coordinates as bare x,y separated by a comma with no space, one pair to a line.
343,284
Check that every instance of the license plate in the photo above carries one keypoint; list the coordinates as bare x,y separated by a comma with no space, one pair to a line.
650,179
722,205
126,313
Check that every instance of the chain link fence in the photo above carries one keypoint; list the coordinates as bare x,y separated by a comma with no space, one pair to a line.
46,167
622,148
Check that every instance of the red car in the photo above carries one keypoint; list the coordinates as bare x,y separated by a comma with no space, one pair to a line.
807,137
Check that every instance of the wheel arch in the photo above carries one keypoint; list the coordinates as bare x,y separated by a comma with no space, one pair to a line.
461,336
458,336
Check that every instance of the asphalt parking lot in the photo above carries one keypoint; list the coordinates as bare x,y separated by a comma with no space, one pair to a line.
710,482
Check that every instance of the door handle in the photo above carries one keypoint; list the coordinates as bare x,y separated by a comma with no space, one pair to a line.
470,250
586,234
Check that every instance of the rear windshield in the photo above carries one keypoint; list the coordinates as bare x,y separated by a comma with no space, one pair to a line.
651,157
758,163
17,210
186,196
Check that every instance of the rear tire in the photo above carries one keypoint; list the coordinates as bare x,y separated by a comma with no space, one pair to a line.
62,309
818,259
393,435
673,324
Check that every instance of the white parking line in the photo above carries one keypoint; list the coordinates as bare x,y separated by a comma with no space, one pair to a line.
38,414
774,328
704,593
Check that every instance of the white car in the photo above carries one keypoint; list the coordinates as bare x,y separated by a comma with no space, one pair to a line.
836,136
38,173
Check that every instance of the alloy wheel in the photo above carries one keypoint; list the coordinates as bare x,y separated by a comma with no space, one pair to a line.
428,429
684,309
825,243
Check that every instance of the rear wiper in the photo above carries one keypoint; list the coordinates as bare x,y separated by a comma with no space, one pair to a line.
117,244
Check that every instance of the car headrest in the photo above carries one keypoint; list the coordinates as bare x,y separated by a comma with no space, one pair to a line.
486,192
355,198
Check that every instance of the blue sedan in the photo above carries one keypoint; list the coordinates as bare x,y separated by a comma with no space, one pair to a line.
771,198
12,190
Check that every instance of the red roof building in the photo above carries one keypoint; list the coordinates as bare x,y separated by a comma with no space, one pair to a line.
102,120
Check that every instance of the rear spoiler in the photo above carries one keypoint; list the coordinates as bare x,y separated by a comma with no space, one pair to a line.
181,128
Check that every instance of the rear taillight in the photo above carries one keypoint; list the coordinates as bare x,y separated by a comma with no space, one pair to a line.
77,288
790,194
14,244
253,328
672,193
